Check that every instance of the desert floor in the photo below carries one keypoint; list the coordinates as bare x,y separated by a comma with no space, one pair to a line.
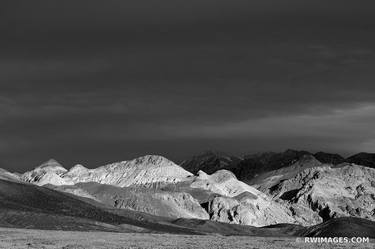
43,239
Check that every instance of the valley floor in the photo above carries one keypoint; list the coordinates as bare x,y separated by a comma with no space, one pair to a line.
44,239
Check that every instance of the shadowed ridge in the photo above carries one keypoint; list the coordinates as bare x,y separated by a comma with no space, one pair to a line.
27,205
342,227
240,230
256,164
364,159
268,180
210,161
329,158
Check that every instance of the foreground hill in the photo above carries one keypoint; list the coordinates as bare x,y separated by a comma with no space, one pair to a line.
342,227
30,206
148,200
26,205
219,197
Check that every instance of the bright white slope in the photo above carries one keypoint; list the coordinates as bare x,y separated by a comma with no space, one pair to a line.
240,203
144,170
225,183
48,172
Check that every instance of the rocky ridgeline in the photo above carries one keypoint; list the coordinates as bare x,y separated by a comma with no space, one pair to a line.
330,192
140,171
305,192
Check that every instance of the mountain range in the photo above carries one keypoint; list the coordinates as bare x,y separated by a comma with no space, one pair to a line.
210,193
249,166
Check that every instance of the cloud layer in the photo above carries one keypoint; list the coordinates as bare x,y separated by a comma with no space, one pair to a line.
99,83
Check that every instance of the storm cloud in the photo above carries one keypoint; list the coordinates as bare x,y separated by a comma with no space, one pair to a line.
99,81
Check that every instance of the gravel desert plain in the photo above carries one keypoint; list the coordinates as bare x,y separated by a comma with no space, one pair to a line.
30,238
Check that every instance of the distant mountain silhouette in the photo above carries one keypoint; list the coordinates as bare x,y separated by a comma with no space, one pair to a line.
255,164
250,166
365,159
270,178
210,162
329,158
244,168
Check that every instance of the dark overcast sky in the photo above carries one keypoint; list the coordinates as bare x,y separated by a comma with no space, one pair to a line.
95,81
